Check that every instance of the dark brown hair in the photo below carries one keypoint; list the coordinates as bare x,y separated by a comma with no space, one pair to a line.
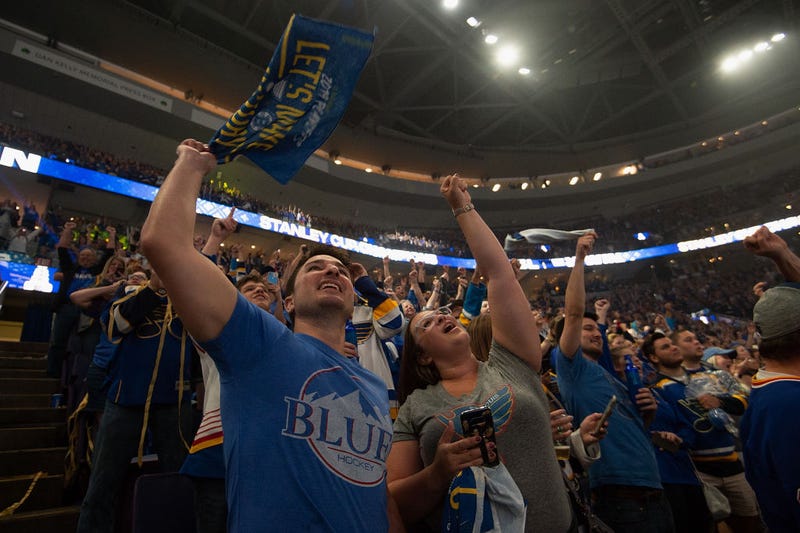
413,375
783,348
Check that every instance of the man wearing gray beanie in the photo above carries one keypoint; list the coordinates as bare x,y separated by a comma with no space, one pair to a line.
769,428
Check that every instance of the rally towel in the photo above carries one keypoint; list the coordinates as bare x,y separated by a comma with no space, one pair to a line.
300,99
484,500
543,235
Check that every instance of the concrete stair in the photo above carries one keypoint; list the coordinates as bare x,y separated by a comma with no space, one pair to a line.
32,439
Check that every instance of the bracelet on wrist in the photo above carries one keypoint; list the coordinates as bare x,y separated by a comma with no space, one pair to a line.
461,210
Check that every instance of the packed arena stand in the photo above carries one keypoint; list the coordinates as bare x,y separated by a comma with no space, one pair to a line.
686,295
709,213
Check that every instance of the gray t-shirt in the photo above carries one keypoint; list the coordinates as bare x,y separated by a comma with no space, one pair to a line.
522,425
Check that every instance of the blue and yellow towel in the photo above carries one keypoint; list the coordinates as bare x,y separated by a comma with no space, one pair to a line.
300,99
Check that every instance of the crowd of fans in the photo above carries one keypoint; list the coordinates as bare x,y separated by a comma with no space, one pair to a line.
712,212
426,345
399,319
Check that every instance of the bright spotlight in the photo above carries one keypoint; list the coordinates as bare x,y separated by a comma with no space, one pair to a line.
508,55
730,64
450,4
490,39
574,180
368,170
524,185
745,55
629,170
473,22
597,176
524,71
761,47
778,37
546,183
495,187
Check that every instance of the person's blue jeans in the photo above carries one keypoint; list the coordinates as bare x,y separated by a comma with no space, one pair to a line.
634,510
117,443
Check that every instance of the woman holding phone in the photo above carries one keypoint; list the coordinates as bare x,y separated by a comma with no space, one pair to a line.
440,378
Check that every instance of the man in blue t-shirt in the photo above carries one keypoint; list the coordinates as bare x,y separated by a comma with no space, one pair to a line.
625,482
770,431
307,429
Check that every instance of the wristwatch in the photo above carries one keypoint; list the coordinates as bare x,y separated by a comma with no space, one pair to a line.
464,209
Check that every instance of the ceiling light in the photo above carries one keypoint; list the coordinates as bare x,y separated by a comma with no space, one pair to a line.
704,143
546,183
490,38
368,170
745,55
720,139
778,37
475,185
544,186
450,4
574,180
524,71
508,55
629,170
597,176
252,246
473,22
761,47
524,185
337,161
495,187
764,122
730,64
788,206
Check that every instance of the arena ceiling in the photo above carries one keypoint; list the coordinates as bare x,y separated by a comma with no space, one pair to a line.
610,80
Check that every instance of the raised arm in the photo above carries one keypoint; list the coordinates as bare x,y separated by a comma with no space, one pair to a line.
765,243
221,229
199,291
513,326
575,299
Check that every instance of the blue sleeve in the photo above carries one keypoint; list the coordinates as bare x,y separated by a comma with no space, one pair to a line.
475,295
412,297
247,337
606,361
386,314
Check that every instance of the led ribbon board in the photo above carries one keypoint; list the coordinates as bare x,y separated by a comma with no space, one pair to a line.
34,163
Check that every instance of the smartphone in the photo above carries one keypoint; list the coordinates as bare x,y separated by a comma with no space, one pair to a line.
663,443
609,407
479,422
272,277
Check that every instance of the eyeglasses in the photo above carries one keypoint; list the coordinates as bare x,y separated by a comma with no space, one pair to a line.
425,323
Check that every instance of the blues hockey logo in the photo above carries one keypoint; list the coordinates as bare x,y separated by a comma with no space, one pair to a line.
346,429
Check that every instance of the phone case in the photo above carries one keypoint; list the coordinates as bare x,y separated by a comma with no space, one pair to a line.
479,421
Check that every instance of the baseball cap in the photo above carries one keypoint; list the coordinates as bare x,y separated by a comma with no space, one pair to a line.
777,313
708,353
